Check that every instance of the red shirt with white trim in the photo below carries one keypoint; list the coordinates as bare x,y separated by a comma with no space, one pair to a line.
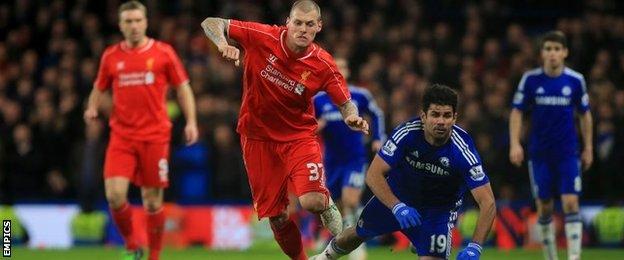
139,78
278,85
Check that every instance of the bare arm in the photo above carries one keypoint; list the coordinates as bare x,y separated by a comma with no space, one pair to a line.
376,180
516,153
214,28
187,103
93,103
587,133
186,100
350,115
487,211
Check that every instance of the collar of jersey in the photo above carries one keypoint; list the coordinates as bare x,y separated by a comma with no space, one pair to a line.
290,54
145,47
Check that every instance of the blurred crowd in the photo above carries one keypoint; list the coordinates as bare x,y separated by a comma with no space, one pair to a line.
50,51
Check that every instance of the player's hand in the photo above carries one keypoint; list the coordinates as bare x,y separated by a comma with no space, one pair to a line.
357,123
230,53
190,134
376,145
516,155
587,158
90,115
471,252
322,123
406,216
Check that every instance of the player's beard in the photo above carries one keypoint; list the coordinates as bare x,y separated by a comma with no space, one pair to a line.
440,135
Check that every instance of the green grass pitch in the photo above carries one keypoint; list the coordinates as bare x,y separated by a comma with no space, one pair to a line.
270,252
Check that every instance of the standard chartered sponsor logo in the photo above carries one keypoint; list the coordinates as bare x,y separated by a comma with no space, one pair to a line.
276,77
430,167
552,101
136,78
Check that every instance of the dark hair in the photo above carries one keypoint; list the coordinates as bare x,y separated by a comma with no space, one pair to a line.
439,94
554,36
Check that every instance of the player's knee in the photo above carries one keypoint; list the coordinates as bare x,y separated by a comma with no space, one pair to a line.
278,221
314,204
115,199
545,210
152,205
350,200
570,206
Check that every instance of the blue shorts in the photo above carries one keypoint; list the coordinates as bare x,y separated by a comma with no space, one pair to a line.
350,174
432,238
551,177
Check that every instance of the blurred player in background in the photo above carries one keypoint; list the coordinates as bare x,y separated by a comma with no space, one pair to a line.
345,153
419,179
283,70
552,93
139,71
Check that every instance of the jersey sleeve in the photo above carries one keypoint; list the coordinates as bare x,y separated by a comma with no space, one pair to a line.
470,165
176,74
369,107
522,98
394,148
581,98
248,34
104,78
335,84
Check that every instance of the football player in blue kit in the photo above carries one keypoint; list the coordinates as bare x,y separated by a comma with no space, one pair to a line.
344,155
419,178
552,93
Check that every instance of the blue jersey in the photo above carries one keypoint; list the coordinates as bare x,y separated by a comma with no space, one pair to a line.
552,102
430,177
341,143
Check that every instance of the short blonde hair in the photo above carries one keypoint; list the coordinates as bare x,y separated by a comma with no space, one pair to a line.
306,6
132,5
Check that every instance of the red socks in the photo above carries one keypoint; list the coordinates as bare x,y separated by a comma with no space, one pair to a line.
123,219
289,239
155,226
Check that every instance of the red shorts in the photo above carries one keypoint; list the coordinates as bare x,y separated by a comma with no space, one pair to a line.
272,165
144,163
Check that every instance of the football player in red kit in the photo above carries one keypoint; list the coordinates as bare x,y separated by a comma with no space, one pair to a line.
139,70
283,70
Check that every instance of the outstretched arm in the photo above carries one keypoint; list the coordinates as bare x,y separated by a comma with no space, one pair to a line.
487,211
214,28
376,180
350,115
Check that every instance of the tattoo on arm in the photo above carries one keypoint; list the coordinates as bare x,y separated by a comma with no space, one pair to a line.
347,109
214,28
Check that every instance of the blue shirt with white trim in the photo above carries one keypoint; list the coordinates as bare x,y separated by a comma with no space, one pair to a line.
427,176
341,143
552,102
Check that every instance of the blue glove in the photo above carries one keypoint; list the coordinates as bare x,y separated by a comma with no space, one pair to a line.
406,216
471,252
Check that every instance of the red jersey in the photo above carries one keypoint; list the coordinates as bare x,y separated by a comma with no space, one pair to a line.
278,85
139,78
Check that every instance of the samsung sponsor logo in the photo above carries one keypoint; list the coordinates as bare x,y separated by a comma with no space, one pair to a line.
552,101
429,167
